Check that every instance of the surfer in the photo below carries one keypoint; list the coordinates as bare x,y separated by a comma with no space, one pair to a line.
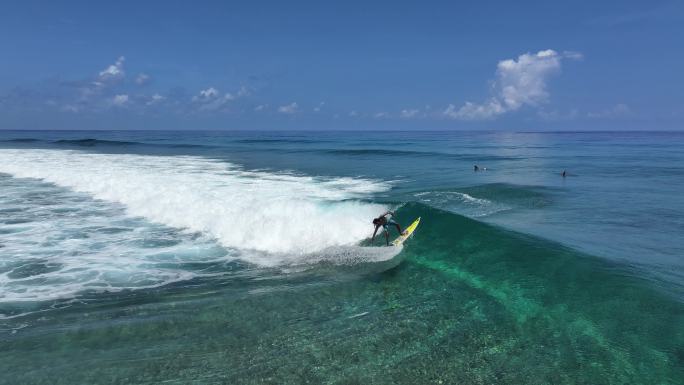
563,174
384,222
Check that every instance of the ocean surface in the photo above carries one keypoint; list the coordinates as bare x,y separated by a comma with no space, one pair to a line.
245,258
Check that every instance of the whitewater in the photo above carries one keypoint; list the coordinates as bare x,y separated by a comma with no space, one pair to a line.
206,210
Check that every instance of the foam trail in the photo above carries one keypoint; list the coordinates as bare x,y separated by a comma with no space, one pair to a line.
353,255
461,203
285,216
55,243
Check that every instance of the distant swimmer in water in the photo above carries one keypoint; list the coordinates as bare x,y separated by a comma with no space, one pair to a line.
476,168
384,222
563,174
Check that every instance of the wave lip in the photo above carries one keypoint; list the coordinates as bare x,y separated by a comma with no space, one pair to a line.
281,214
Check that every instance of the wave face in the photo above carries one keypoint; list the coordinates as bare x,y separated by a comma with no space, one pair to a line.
558,304
273,213
518,309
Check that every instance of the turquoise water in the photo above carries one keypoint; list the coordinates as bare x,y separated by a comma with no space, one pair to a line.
142,257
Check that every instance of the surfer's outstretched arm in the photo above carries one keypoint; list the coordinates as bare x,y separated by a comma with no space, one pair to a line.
374,232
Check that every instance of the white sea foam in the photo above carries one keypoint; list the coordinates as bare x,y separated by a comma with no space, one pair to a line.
265,218
270,212
461,203
66,243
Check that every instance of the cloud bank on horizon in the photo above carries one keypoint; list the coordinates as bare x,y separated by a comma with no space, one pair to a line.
521,82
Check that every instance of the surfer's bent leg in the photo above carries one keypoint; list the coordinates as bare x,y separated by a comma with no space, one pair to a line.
392,222
387,237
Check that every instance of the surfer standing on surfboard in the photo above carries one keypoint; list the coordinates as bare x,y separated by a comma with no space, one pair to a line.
384,222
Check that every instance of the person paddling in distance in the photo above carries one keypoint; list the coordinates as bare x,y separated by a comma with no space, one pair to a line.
383,221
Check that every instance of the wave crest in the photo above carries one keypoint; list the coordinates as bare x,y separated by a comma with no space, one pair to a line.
283,214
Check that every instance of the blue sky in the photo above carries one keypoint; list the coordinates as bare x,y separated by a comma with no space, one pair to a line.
581,65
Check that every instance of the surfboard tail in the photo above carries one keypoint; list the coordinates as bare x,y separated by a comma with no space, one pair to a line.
407,233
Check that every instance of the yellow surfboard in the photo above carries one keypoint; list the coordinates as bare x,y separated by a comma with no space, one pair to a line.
407,233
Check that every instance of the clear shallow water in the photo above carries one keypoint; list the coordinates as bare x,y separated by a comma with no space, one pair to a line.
242,257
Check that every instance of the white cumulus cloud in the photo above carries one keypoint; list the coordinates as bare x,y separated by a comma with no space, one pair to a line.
319,107
573,55
155,99
114,71
208,94
243,91
288,108
210,99
142,79
409,113
120,100
70,108
105,79
472,111
555,115
617,111
521,82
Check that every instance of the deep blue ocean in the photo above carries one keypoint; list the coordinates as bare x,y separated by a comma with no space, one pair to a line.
245,257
